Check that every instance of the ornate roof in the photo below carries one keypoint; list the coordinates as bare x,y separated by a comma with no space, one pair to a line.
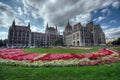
77,26
51,29
18,27
68,27
21,28
90,24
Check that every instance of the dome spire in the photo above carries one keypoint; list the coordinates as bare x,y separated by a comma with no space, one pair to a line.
28,24
68,22
68,27
13,24
56,27
47,25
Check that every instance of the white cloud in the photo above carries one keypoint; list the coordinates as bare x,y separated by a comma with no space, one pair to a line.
59,12
55,12
105,10
36,29
99,19
116,4
104,27
7,14
20,11
113,21
113,32
33,7
83,18
27,21
3,35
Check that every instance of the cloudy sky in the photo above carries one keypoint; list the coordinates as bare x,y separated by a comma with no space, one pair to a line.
59,12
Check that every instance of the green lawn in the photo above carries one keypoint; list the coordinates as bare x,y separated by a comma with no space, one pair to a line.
118,49
58,50
101,72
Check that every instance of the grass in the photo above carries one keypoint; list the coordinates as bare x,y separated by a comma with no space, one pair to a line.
101,72
59,50
118,48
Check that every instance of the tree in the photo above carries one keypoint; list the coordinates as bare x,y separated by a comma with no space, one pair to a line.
116,42
59,42
3,42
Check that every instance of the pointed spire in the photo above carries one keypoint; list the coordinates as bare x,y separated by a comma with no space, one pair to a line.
56,27
46,28
13,24
29,24
47,25
90,24
68,22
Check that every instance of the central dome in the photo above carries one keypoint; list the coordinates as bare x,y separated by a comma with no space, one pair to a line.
68,27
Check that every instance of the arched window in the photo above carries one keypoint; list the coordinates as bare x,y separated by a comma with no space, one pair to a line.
11,32
74,43
77,43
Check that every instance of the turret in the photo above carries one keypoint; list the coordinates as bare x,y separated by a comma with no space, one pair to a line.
68,29
13,24
90,24
68,23
56,27
47,26
29,24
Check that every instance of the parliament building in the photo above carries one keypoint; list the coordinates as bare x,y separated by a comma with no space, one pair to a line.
23,37
78,35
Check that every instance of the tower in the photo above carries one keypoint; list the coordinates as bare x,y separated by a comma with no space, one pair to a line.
29,24
56,28
13,24
68,29
47,26
46,30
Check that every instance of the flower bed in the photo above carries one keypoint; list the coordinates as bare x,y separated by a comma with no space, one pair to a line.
18,57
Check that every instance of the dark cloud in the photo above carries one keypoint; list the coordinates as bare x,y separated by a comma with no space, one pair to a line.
5,9
59,12
55,12
113,32
7,14
117,33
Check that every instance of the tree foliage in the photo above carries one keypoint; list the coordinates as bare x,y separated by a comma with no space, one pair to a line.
58,42
3,43
116,42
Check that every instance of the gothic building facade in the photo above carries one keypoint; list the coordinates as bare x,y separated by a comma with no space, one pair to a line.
79,35
22,36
